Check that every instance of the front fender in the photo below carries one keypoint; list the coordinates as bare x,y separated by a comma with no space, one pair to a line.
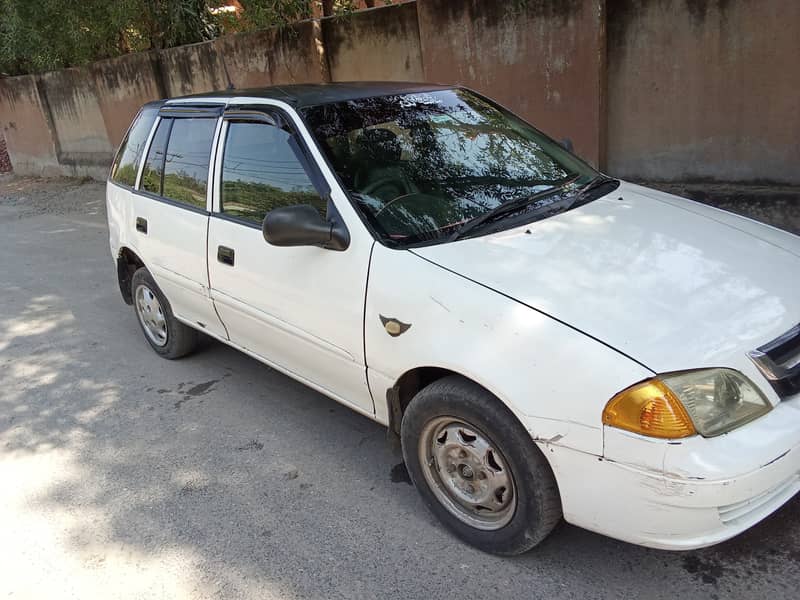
554,378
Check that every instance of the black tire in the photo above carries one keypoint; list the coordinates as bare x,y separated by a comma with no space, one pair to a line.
180,339
538,504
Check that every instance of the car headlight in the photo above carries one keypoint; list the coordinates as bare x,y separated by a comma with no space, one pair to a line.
678,405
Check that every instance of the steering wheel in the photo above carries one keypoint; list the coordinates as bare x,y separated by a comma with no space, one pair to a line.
402,197
394,182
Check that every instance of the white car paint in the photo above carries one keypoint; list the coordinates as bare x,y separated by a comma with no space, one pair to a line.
300,308
524,357
175,246
673,288
554,318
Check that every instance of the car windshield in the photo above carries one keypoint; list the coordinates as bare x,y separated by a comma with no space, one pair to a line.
421,165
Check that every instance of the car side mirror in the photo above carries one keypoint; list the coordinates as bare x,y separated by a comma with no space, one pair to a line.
567,143
302,225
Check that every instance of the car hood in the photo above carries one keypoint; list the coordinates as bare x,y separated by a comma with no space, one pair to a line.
670,282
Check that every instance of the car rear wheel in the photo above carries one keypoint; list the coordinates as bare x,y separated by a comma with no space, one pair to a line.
167,336
477,468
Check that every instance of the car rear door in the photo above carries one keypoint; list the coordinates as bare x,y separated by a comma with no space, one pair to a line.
170,211
298,308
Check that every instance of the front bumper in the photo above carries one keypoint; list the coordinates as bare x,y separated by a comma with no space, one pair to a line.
696,496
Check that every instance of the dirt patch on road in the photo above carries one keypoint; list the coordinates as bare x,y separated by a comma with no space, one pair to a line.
23,197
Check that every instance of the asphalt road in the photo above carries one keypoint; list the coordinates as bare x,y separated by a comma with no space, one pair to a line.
123,475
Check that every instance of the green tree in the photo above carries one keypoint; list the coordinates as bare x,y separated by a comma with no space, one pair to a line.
42,35
50,34
260,14
168,23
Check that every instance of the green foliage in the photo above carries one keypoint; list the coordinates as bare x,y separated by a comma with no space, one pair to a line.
50,34
166,23
251,200
260,14
126,174
184,187
42,35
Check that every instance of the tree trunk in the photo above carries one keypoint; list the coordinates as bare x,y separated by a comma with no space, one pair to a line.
327,8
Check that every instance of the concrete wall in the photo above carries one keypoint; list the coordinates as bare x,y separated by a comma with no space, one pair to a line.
651,89
122,86
26,127
298,54
70,122
704,90
284,55
72,105
247,57
544,60
381,44
192,69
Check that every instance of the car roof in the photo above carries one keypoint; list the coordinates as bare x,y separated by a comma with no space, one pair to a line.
311,94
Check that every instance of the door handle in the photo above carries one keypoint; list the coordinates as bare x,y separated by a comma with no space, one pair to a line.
225,255
141,224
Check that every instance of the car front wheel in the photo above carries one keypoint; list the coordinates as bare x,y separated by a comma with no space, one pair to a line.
477,468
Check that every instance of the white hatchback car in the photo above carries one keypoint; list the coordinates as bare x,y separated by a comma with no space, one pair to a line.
543,339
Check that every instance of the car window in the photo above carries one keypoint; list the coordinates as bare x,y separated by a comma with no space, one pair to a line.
260,171
126,162
418,166
186,164
154,165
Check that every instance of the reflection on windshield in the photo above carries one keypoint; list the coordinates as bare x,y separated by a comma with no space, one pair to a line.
419,165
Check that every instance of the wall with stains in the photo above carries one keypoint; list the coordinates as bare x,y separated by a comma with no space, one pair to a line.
381,44
276,56
670,90
26,127
69,122
192,69
545,60
71,101
122,85
704,90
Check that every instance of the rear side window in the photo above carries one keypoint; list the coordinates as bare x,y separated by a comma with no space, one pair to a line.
260,171
177,162
129,155
186,166
154,165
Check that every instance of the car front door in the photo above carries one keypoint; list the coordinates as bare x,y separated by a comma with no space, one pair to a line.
300,309
170,212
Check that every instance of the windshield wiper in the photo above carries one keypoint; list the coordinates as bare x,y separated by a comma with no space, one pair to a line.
505,208
582,196
595,183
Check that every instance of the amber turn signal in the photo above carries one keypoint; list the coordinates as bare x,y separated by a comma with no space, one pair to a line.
649,408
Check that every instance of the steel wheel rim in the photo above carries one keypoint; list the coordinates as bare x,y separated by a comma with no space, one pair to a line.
467,473
151,315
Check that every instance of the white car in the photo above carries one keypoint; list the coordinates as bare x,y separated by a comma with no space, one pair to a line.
544,340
